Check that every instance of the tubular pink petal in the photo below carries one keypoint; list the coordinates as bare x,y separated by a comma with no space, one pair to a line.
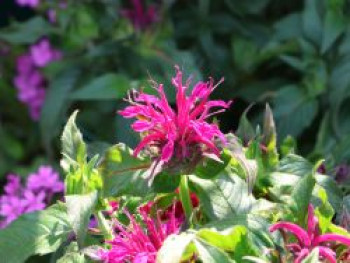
327,253
332,238
141,126
312,223
296,230
167,151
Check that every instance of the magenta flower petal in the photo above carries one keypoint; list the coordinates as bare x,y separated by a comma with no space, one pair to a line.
334,238
312,223
328,254
299,233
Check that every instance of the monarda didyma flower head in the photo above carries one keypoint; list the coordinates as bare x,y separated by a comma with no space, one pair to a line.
181,136
139,243
311,239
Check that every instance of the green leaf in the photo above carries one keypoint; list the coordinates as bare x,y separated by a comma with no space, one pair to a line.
174,248
226,195
247,234
28,32
301,195
333,191
80,208
35,233
55,104
83,27
73,146
210,168
72,255
248,166
312,24
226,239
209,254
295,164
108,86
312,257
324,212
334,26
122,173
245,130
293,111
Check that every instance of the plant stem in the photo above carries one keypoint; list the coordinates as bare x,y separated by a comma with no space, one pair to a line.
185,197
103,224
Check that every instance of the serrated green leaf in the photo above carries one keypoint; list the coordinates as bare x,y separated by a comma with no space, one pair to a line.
73,146
226,195
35,233
108,86
80,208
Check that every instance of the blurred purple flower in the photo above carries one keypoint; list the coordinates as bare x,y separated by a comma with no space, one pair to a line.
139,16
42,53
45,179
137,244
342,173
29,81
18,200
310,239
30,3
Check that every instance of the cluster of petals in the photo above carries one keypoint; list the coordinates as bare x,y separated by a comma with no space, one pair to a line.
310,239
29,81
140,17
140,242
180,134
18,199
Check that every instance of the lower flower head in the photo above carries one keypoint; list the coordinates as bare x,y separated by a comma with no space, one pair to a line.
139,242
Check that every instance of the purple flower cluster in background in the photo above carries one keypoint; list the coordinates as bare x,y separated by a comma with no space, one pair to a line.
35,195
140,17
29,3
29,81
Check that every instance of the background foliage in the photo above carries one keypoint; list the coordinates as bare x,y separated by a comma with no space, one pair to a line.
292,54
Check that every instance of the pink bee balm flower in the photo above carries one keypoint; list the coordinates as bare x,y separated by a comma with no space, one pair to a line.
180,135
137,244
310,239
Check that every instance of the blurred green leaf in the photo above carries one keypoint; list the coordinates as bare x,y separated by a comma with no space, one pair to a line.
108,86
56,103
27,32
312,23
293,111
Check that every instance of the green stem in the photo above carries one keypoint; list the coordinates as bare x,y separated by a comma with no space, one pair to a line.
185,197
104,226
